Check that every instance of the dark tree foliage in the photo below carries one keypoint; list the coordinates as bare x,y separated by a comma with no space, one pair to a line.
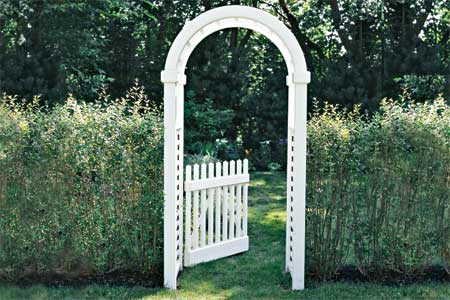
358,52
361,51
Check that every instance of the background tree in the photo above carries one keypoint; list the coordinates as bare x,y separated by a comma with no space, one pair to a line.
363,51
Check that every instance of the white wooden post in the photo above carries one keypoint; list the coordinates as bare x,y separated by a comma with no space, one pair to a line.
179,166
299,84
170,234
188,210
290,173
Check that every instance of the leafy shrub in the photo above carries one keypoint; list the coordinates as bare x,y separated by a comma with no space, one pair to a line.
192,159
204,124
80,187
422,87
378,189
272,151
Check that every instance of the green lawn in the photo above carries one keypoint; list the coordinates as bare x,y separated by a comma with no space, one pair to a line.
257,274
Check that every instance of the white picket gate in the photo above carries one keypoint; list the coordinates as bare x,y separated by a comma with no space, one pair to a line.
216,211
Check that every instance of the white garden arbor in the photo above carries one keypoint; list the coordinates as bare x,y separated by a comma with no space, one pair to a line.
174,81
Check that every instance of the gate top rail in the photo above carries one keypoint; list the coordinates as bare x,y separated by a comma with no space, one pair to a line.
218,180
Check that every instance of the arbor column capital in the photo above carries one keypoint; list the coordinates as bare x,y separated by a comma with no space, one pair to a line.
173,76
303,77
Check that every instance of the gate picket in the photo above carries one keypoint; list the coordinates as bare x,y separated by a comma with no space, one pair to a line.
238,200
231,207
245,196
203,210
225,204
210,206
196,210
218,194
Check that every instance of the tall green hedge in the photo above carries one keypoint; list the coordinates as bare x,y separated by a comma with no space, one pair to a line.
378,190
81,188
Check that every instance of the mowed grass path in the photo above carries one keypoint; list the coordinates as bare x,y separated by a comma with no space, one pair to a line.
257,274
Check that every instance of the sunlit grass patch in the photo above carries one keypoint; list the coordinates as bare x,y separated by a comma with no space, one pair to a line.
274,217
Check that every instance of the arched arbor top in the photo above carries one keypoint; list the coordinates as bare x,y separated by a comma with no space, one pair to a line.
234,16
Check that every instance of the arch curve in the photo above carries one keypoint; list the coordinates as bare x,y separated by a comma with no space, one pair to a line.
233,16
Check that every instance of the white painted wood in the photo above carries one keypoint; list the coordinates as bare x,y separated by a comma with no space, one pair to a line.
225,204
188,210
210,206
212,183
174,80
179,266
195,235
231,204
239,201
170,267
298,213
289,175
218,203
215,242
245,199
218,250
203,210
231,16
180,179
